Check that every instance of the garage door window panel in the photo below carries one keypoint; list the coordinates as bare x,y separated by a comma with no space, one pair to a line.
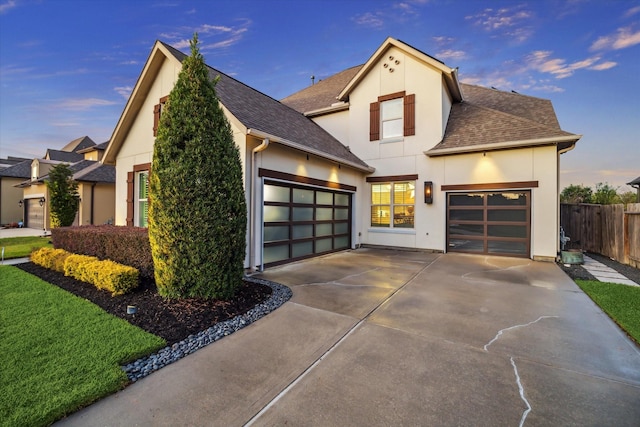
300,221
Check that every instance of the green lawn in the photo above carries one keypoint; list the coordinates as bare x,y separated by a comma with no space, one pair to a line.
18,247
58,352
620,302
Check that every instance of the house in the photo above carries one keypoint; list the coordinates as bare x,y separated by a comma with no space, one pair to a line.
96,184
636,184
12,172
395,152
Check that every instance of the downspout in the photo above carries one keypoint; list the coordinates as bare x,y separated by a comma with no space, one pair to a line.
93,187
252,204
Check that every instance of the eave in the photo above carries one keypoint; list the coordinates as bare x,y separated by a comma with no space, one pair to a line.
563,143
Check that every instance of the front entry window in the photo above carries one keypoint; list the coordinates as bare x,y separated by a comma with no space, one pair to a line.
142,198
393,204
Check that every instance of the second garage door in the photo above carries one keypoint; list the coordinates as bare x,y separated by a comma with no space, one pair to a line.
493,222
301,222
35,214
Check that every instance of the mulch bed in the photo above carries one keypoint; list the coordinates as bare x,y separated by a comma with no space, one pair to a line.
173,320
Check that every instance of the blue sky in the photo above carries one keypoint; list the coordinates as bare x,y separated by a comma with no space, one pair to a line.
67,66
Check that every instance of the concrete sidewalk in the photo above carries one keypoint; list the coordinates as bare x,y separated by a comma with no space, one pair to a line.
23,232
375,337
604,273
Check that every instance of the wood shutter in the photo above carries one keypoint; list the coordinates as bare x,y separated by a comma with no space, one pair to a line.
410,115
374,121
156,118
130,197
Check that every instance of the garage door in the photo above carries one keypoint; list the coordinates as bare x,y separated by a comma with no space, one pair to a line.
301,222
497,223
35,214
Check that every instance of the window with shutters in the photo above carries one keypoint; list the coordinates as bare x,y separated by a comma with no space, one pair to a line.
138,195
142,198
157,112
392,117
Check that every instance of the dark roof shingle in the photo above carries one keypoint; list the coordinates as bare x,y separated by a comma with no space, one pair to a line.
262,113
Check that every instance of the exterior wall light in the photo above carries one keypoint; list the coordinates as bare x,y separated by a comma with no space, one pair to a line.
41,201
20,203
428,192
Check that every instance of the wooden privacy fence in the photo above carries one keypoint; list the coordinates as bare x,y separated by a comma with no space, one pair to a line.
610,230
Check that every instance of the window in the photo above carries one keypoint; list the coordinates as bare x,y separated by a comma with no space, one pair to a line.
393,204
138,195
157,112
392,116
142,198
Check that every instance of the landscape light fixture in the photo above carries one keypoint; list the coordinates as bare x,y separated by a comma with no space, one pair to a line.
428,192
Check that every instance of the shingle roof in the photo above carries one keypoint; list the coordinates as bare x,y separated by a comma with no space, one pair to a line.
79,144
634,182
102,146
262,113
97,172
489,116
21,170
322,94
64,156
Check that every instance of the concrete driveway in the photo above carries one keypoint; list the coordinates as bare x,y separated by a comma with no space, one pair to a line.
379,337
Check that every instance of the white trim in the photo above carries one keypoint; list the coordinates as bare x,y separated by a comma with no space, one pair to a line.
501,145
389,230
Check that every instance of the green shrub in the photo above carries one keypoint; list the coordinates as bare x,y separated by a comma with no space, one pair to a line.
197,209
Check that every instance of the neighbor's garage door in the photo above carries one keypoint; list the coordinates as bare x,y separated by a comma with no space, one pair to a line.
35,214
497,223
301,222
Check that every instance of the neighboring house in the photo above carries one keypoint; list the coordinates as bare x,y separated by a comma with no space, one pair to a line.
10,195
395,152
96,185
636,184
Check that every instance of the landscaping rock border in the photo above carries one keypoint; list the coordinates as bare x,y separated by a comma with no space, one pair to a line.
148,364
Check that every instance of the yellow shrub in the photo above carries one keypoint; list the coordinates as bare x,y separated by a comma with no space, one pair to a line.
74,267
117,278
52,259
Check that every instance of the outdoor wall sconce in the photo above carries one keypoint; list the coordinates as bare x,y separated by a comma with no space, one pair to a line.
20,203
428,192
41,201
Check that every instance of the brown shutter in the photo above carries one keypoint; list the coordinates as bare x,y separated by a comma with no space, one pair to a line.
374,121
130,196
156,118
409,115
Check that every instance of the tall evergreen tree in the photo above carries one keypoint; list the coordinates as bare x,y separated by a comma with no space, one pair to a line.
197,209
63,196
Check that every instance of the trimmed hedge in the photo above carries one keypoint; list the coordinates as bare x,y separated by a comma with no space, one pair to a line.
124,245
109,275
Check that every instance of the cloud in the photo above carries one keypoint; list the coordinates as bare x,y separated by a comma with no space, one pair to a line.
123,91
369,20
181,38
83,104
634,10
6,6
506,22
542,61
451,54
625,37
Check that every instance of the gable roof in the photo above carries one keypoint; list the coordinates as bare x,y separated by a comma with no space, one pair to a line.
489,119
450,75
100,147
21,170
96,172
261,115
63,156
322,95
634,182
79,144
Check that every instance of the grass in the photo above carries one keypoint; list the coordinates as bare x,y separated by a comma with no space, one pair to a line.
59,352
620,302
18,247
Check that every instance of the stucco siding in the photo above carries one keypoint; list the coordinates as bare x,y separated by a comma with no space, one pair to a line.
9,197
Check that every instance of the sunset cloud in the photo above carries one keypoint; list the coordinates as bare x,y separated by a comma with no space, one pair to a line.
623,38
